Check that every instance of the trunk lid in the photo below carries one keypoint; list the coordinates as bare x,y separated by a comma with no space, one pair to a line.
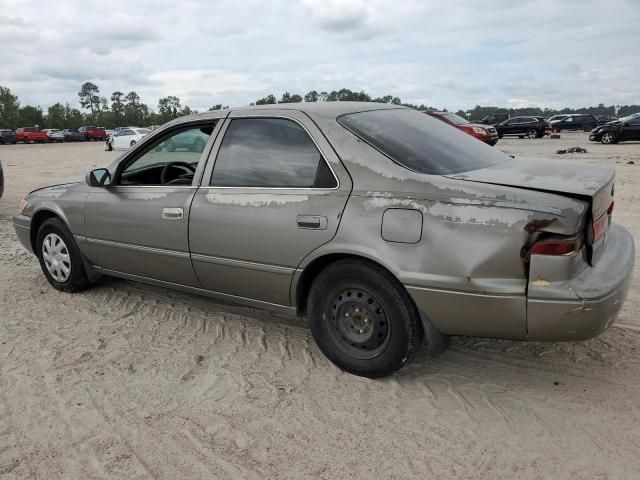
593,183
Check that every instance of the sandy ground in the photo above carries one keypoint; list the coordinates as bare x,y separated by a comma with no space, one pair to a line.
129,381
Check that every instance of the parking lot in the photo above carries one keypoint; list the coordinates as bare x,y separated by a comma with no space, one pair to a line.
132,381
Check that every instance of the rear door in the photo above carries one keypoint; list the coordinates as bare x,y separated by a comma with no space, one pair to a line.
272,192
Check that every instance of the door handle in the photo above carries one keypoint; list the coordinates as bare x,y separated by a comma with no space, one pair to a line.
172,213
312,222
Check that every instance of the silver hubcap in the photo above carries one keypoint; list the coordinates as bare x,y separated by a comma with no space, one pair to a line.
533,134
56,257
607,137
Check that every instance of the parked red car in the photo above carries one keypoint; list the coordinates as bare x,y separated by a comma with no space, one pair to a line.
30,134
93,133
486,133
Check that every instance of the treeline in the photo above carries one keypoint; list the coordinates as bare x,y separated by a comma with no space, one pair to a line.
121,109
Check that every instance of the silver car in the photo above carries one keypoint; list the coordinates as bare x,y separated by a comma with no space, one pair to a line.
386,228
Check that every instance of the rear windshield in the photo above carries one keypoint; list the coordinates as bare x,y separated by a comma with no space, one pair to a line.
421,143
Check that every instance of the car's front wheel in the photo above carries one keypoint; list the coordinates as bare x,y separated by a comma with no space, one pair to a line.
132,143
60,258
608,138
532,133
362,318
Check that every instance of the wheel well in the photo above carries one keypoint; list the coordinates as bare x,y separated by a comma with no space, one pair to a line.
38,220
312,270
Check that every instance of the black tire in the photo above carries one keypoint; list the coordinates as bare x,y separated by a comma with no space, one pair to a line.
77,279
587,128
533,133
500,135
132,143
393,331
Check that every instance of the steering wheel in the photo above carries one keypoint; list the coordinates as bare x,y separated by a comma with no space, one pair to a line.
165,170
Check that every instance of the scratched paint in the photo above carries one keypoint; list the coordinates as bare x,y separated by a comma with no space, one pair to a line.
255,199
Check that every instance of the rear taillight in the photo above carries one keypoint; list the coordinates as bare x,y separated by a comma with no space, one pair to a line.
600,225
557,246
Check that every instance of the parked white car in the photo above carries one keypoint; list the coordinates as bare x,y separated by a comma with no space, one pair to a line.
54,134
127,138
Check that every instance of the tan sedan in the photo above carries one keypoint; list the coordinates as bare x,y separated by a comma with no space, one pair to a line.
385,227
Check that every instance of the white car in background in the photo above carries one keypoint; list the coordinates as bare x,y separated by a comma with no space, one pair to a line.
54,134
127,137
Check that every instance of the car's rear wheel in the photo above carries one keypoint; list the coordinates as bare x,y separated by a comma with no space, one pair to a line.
60,258
532,133
587,128
608,138
362,319
132,143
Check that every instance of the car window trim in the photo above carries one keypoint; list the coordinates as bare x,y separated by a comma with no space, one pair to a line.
223,132
165,132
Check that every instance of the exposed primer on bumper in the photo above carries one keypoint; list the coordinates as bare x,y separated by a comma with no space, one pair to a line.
587,304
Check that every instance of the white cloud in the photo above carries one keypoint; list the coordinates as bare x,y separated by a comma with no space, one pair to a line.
447,54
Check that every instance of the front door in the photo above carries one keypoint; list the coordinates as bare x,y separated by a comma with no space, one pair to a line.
631,130
274,192
139,224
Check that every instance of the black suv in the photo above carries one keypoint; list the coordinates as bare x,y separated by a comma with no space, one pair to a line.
532,127
627,128
494,119
575,121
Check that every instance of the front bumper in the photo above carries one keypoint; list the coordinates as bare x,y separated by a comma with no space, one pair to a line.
589,303
22,226
491,140
595,137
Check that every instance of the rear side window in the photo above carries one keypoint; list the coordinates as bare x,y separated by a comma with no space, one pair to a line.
421,143
270,153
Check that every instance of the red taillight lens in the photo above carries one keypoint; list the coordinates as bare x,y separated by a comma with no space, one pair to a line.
600,225
557,246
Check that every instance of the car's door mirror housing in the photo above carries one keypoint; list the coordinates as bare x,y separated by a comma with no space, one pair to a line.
100,177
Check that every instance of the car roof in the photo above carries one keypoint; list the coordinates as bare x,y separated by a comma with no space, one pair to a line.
334,109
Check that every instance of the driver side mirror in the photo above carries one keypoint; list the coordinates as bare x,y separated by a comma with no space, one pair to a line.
100,177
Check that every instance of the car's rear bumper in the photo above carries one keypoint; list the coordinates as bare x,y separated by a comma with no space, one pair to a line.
588,304
22,226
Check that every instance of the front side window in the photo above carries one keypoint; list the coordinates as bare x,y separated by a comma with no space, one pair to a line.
270,153
170,160
421,143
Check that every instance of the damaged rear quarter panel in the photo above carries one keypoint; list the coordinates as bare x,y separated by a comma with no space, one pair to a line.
466,273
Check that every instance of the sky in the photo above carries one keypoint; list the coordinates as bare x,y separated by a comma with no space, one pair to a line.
447,54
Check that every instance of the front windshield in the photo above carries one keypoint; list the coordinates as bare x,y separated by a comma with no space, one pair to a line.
456,119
